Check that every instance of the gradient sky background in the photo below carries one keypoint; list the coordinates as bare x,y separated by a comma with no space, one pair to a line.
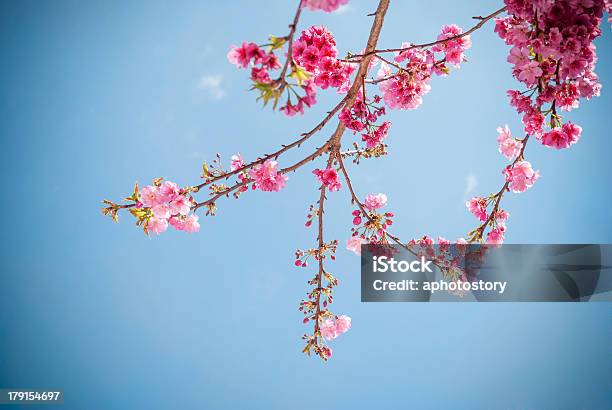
97,95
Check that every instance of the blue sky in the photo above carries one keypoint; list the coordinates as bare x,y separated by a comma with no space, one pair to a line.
97,95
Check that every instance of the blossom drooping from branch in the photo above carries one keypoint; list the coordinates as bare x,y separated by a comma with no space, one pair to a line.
332,328
520,176
375,201
562,137
328,177
508,146
478,207
555,58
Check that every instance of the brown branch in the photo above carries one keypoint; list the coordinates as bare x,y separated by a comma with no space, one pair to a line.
321,242
247,181
289,61
352,93
276,154
333,145
482,21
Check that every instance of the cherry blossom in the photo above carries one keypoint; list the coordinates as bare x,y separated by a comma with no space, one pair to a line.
552,58
375,201
508,146
521,176
329,178
332,328
478,207
237,162
325,5
267,178
354,243
562,137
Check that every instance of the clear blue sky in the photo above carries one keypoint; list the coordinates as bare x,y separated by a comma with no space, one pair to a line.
96,95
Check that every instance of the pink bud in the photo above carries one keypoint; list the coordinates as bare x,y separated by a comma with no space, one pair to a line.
357,220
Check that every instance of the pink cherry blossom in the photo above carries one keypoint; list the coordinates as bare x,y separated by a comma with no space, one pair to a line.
343,324
533,121
501,216
177,223
237,162
376,137
562,137
161,211
444,244
521,176
567,96
315,50
191,224
519,56
149,196
180,205
453,49
242,56
325,5
508,146
520,101
328,329
266,176
157,225
354,243
167,191
329,178
529,72
496,236
332,328
375,201
404,92
478,207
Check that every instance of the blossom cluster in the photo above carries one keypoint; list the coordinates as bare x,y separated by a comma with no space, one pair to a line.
404,90
328,177
332,328
251,55
361,117
315,50
267,177
169,206
553,55
158,206
325,5
369,225
509,147
520,176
